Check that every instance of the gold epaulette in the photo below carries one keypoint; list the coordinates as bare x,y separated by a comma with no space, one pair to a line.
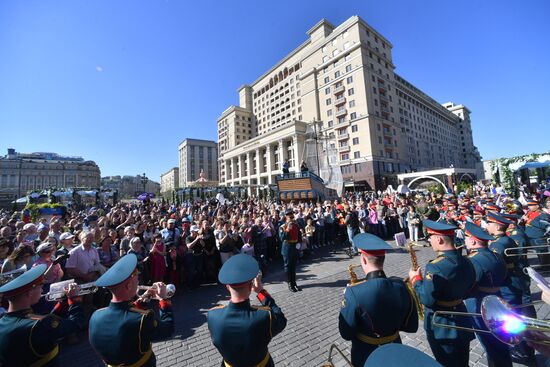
354,284
265,308
437,259
139,310
472,254
33,316
216,307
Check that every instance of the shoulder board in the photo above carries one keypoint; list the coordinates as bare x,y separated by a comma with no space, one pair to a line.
353,285
140,311
514,232
33,316
265,308
472,254
216,307
437,259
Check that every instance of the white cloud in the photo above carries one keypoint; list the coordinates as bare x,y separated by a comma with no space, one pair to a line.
99,68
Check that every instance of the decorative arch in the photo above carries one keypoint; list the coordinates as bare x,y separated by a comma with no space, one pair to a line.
429,178
466,175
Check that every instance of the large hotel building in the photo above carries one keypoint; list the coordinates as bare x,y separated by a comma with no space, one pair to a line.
342,80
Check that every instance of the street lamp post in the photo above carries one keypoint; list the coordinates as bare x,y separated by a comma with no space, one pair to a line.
144,181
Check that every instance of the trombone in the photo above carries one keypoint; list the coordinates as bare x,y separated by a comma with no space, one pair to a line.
502,321
329,361
8,276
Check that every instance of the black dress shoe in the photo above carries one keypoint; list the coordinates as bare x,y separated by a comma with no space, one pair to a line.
291,288
296,288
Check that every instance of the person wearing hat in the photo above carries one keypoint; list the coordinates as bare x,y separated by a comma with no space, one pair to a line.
517,233
67,242
242,332
27,339
491,271
448,280
291,236
398,355
537,230
196,260
516,285
377,308
122,332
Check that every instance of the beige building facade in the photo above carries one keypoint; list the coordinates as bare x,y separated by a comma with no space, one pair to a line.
23,172
194,155
343,79
169,181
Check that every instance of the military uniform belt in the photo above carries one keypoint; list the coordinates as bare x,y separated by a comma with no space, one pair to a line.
453,303
377,341
46,357
488,289
262,363
144,358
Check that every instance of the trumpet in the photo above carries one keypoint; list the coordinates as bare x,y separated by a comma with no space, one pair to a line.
524,251
59,290
142,289
501,321
8,276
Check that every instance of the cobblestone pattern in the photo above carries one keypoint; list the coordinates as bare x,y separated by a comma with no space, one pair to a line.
312,318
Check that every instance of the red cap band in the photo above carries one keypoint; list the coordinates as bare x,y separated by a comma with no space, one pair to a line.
377,253
448,232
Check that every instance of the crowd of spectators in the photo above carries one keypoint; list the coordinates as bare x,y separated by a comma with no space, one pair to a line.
186,245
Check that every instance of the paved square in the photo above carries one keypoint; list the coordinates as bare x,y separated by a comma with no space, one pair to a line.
312,317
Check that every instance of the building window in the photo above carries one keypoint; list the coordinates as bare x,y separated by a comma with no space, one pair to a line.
346,45
327,90
328,101
337,74
327,79
353,115
356,154
325,59
330,123
358,167
351,92
348,68
354,128
344,156
324,49
352,103
349,80
329,113
355,140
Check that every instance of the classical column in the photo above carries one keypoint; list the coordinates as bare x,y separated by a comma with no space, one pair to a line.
233,171
248,166
296,152
241,168
269,164
282,154
258,165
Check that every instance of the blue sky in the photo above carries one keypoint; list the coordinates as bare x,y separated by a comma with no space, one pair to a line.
124,82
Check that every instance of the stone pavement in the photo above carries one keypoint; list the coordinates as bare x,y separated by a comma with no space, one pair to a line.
312,318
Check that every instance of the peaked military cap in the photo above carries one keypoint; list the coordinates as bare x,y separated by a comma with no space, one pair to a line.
371,244
119,272
439,228
512,217
470,229
531,202
398,355
24,282
497,218
491,206
239,269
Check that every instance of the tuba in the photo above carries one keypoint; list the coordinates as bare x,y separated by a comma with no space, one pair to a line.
414,262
